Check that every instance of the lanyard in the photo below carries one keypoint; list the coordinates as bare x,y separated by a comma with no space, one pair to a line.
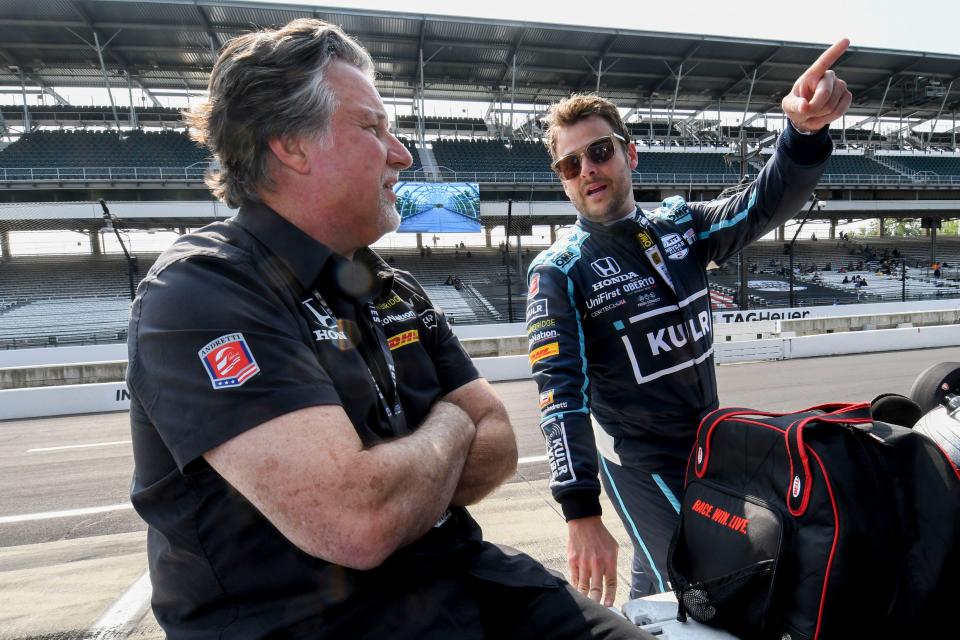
371,331
651,249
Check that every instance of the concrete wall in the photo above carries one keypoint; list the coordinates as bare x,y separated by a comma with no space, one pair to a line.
62,374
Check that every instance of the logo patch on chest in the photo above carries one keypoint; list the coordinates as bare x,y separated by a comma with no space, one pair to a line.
675,247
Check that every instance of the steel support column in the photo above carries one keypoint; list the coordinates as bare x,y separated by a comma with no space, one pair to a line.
27,124
936,120
883,100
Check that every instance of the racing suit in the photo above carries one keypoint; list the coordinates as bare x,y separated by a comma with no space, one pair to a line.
619,326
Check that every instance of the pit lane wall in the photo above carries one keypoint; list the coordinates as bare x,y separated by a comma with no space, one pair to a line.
72,380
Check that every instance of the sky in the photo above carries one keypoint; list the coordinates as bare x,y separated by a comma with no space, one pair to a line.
911,25
928,25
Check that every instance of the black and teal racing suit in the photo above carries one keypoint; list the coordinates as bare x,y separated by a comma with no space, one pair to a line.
619,323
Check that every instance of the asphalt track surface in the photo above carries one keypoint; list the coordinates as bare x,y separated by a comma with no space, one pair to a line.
70,545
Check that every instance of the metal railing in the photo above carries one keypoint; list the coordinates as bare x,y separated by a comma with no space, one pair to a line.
196,174
89,174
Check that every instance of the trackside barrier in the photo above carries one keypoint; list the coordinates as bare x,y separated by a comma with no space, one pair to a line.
112,396
64,400
836,344
62,355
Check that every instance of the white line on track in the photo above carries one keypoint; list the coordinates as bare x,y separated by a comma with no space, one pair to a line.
80,446
119,620
49,515
532,459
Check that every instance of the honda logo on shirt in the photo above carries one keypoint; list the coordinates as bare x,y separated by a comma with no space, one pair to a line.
605,267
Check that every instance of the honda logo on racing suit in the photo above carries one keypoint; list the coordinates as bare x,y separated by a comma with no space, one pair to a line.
605,267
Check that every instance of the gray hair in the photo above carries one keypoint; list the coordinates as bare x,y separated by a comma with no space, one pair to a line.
268,84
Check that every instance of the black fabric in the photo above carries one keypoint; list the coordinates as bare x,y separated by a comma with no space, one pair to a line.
613,337
293,325
646,502
559,614
819,524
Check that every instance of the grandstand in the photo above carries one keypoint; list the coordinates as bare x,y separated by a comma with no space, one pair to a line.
686,135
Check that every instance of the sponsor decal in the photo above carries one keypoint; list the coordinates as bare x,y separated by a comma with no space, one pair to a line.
644,239
428,319
546,351
564,258
536,309
605,296
609,307
639,284
542,336
624,277
751,316
690,236
675,247
646,299
605,267
546,397
796,486
699,455
403,339
391,318
558,452
720,516
554,408
534,285
542,324
675,336
395,299
228,361
330,328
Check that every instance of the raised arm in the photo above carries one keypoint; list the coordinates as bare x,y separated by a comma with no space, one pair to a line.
493,454
308,473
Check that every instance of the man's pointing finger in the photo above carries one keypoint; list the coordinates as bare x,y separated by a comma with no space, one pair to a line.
827,59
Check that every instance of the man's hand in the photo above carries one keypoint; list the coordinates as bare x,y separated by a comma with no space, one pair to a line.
818,96
592,559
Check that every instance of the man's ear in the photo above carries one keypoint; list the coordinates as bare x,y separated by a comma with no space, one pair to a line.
290,152
632,155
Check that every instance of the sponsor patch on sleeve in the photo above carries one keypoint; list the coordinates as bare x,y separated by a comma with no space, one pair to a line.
534,285
546,398
228,361
403,339
546,351
558,452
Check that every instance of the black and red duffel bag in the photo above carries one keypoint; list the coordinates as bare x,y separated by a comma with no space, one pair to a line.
817,525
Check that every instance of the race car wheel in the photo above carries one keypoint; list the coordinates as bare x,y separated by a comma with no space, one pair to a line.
933,384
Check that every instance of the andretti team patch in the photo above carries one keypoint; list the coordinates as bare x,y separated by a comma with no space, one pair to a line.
228,361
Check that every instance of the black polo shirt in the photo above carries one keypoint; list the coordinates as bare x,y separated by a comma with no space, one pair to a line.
247,320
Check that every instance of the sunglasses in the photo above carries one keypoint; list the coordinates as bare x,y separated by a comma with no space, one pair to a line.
599,151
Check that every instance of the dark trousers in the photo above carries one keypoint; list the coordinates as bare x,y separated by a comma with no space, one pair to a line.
649,506
525,613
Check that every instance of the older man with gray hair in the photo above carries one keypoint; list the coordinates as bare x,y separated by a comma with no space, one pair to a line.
307,430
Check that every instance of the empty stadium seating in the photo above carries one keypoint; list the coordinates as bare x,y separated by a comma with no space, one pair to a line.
491,156
940,165
685,163
102,149
856,165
